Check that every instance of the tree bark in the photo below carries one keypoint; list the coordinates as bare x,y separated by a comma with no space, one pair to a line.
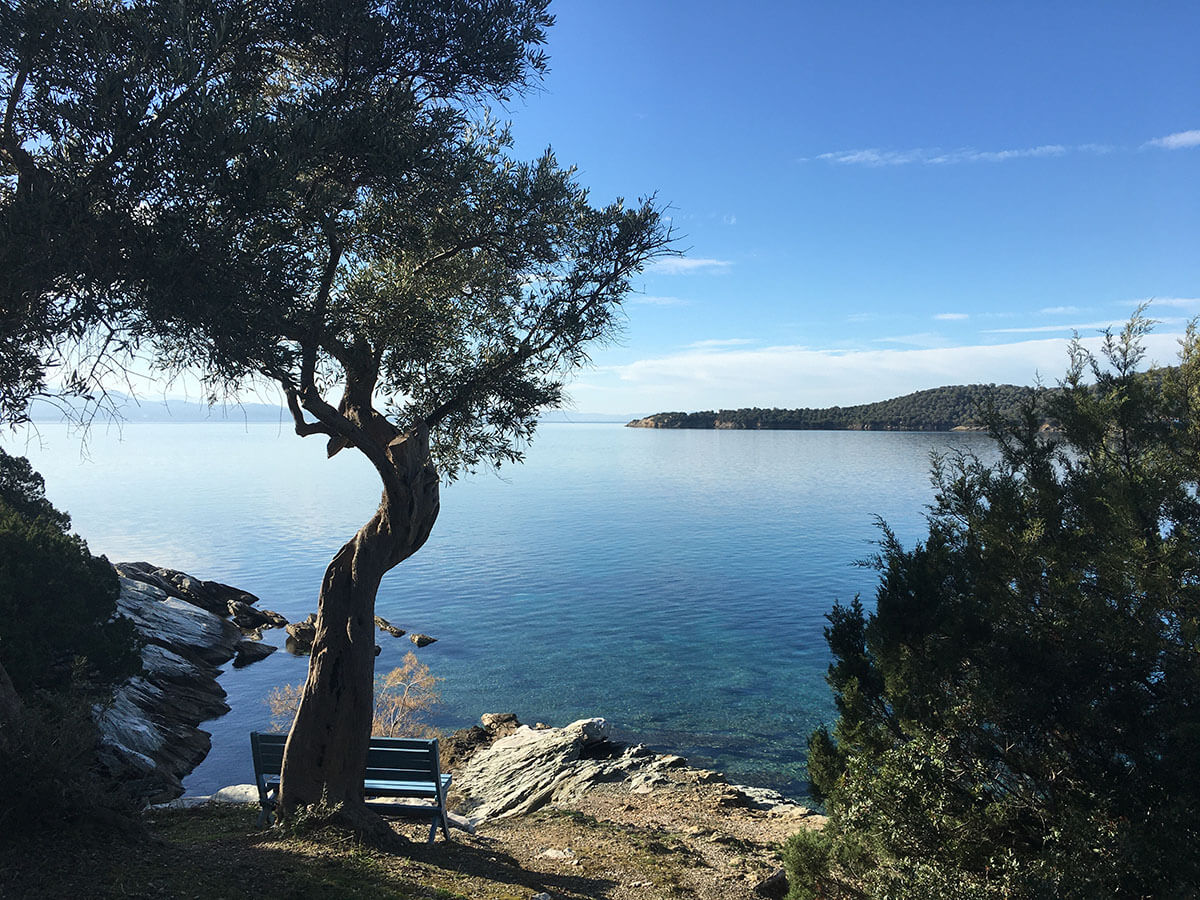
326,750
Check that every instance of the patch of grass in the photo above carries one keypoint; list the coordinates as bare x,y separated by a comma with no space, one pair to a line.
217,852
213,853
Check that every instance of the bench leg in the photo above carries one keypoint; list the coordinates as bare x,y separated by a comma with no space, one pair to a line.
266,814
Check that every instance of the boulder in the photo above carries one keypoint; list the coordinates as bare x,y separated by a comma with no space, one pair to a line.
301,635
422,640
384,625
248,618
251,652
500,725
774,885
529,768
457,748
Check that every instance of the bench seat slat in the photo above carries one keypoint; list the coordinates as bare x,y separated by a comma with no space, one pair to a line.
403,788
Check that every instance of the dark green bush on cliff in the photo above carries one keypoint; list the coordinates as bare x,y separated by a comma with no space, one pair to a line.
1020,716
57,602
63,646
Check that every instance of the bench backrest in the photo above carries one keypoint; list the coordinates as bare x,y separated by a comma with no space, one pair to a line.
267,751
388,759
403,759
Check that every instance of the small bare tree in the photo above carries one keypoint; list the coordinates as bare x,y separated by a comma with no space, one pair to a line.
404,698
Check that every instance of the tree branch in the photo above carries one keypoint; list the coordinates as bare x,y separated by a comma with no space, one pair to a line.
526,350
140,135
303,428
10,111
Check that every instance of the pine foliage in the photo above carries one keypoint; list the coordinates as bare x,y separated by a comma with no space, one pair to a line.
1018,717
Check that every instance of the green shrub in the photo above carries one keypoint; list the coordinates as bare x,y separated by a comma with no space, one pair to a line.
1018,716
806,860
57,601
63,646
49,776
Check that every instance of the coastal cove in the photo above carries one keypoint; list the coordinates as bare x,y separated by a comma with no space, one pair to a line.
673,582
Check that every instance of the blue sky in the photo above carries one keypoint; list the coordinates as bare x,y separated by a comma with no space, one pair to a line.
877,197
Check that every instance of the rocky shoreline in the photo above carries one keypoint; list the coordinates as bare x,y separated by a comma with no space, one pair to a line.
571,803
542,793
149,730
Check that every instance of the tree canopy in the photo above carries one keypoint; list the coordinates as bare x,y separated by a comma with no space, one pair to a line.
312,194
1018,716
165,166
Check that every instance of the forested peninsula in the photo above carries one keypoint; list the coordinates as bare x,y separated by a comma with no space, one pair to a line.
951,408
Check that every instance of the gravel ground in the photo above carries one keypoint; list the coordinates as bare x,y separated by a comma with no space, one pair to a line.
691,836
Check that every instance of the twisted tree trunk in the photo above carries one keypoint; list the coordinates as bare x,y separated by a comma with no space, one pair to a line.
326,750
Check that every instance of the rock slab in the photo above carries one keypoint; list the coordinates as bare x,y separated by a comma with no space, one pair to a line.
524,769
149,731
532,767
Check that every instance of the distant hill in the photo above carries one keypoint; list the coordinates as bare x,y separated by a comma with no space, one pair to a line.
144,409
938,409
573,417
132,409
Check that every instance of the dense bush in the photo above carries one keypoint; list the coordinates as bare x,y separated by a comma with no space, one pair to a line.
63,646
49,776
1020,715
57,602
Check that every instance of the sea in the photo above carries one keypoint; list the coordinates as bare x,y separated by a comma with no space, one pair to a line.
673,582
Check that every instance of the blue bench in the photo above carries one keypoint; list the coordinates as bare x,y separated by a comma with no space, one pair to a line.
396,767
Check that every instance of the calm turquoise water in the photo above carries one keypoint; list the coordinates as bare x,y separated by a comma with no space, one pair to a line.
674,582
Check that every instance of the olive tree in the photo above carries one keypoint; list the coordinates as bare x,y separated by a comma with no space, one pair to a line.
313,195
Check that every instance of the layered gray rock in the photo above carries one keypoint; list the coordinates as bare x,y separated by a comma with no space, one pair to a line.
533,767
177,625
149,729
528,768
212,596
209,595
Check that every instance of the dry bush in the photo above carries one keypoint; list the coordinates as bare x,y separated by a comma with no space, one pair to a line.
404,698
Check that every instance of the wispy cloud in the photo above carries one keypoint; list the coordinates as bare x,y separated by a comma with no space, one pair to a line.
717,343
1180,140
1059,310
952,317
1084,328
876,158
791,376
682,265
650,300
921,339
